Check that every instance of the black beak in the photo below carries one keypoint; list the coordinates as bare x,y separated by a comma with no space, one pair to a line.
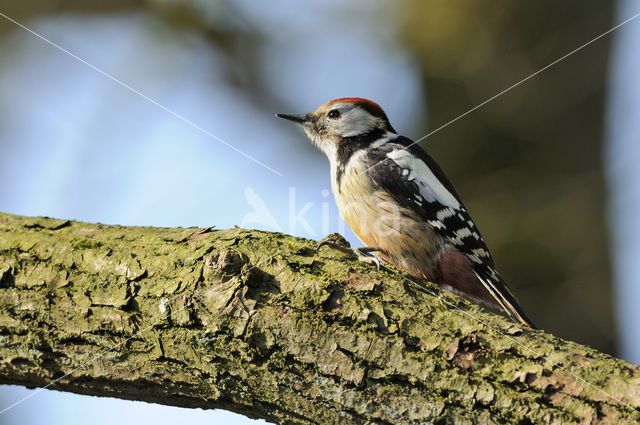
299,118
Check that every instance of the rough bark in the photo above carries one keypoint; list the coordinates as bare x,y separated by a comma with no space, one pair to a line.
253,322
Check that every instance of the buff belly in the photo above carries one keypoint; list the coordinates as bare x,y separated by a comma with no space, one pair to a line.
405,239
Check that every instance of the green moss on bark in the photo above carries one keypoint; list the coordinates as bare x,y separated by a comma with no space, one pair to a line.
253,322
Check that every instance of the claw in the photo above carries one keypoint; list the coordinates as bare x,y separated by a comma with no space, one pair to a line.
364,254
334,243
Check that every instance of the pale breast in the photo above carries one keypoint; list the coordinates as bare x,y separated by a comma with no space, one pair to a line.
374,216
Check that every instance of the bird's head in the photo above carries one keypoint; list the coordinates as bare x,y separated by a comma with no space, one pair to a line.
342,121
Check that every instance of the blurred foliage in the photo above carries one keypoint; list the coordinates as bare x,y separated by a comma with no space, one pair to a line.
529,163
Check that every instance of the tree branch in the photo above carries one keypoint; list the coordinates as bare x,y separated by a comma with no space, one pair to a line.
253,322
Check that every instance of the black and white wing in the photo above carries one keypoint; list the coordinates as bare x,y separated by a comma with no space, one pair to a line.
417,182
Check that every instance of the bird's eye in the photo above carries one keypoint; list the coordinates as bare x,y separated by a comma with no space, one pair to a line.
334,113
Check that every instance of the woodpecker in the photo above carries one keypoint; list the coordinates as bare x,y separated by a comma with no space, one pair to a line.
401,205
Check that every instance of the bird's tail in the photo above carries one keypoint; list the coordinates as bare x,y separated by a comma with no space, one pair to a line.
503,296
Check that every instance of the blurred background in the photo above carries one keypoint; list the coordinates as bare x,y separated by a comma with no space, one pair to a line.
548,170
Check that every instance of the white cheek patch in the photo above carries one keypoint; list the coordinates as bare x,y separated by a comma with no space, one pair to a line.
356,121
431,189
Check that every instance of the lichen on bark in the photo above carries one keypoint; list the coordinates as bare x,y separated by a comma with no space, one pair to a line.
256,323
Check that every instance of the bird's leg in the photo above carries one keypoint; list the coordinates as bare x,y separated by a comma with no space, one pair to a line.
362,253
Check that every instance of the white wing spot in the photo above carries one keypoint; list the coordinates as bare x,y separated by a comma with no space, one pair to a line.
436,224
480,252
463,233
445,213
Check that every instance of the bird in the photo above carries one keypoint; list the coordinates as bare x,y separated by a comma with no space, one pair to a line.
401,205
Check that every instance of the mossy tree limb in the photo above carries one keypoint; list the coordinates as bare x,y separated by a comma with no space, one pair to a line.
253,322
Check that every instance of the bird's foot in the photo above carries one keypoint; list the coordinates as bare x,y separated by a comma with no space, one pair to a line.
363,253
335,242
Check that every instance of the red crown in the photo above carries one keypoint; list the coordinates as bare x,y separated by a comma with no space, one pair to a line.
372,107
